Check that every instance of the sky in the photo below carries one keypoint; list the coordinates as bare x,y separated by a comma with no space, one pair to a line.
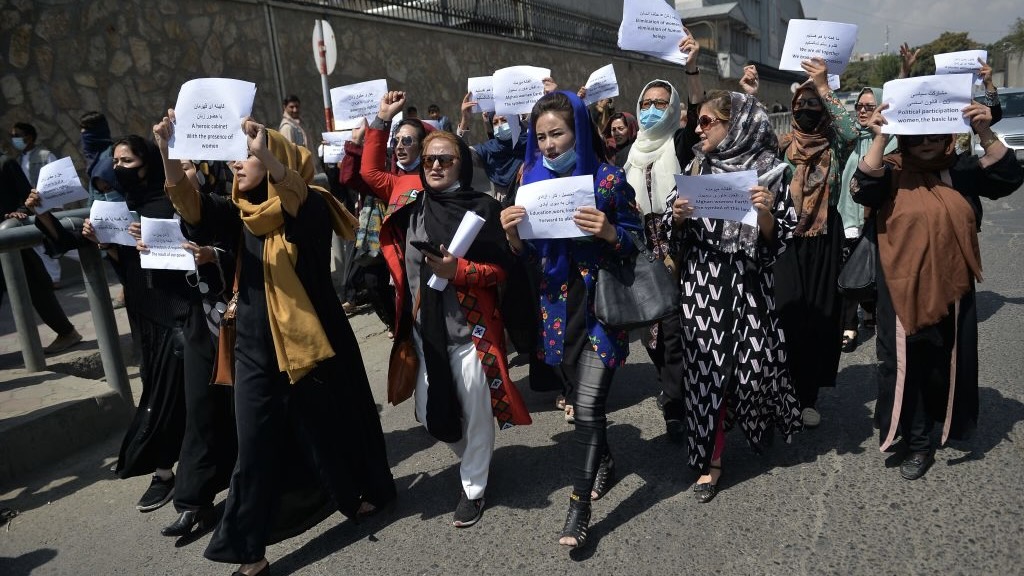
918,21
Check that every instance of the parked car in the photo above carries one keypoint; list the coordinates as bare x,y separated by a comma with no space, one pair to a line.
1010,130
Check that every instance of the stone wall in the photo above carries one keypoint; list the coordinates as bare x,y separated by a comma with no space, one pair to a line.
127,58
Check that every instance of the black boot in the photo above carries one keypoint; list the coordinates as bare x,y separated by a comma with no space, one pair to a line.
203,520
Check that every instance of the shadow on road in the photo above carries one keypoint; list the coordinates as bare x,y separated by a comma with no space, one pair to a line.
989,303
998,415
25,564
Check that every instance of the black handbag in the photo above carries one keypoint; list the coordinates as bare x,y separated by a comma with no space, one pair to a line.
636,291
857,278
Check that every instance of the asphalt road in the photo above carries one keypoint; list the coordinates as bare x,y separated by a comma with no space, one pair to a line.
827,503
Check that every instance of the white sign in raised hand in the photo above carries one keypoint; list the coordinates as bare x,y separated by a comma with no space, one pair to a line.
961,62
481,90
927,104
652,27
831,41
551,204
725,196
356,101
208,120
58,184
601,84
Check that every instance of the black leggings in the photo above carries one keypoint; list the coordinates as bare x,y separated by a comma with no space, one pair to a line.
592,383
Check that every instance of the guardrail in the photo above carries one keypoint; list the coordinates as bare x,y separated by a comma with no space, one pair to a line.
16,235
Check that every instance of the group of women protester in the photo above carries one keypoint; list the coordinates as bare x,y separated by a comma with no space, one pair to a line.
758,333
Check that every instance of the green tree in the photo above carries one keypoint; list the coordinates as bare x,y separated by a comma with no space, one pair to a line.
886,67
1012,43
946,42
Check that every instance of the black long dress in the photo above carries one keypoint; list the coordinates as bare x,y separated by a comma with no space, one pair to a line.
925,398
328,417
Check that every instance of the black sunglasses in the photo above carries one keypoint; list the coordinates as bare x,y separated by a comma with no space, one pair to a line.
446,160
403,140
918,139
705,122
864,107
813,101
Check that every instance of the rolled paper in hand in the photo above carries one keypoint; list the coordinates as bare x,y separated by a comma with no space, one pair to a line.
464,236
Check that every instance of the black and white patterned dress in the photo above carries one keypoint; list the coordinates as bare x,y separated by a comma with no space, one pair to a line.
734,346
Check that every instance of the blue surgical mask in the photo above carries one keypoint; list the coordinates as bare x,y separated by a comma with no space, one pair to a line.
18,142
562,163
503,131
650,117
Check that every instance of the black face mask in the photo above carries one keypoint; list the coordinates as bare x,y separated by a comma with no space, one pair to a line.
128,178
807,120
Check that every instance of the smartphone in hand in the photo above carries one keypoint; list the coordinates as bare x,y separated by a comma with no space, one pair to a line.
427,248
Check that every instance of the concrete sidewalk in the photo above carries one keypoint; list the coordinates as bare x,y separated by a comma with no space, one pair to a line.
46,416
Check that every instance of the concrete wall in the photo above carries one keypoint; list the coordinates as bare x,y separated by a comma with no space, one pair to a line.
127,58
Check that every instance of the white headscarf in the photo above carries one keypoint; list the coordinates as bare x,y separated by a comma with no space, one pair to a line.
655,147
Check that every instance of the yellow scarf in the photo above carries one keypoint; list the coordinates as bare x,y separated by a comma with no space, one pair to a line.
299,339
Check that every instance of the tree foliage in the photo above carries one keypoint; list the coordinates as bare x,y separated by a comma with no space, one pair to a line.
1012,43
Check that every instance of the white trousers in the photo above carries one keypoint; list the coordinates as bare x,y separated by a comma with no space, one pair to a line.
477,444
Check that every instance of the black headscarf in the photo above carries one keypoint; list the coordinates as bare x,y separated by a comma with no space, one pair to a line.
147,195
442,214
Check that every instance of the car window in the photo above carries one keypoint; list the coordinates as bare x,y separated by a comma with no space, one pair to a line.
1012,103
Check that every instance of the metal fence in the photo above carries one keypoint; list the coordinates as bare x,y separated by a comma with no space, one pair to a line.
523,19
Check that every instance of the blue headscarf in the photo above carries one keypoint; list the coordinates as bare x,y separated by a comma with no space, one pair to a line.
555,253
501,159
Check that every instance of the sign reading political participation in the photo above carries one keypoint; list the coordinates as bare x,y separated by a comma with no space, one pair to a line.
927,104
831,41
208,120
551,204
58,185
652,27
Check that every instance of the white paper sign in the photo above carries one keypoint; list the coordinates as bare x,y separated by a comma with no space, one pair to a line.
334,150
724,196
208,120
517,89
59,184
463,239
927,104
163,238
653,28
833,82
111,220
481,89
551,204
338,137
961,62
601,84
831,41
357,101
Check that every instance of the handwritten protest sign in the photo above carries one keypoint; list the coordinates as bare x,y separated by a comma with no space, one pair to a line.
481,89
550,205
831,41
652,27
208,120
724,196
601,84
357,101
59,184
961,62
110,221
927,104
163,238
516,90
334,150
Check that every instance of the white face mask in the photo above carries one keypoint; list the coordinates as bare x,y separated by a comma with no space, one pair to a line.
503,131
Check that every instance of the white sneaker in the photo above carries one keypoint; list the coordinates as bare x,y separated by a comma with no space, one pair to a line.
810,417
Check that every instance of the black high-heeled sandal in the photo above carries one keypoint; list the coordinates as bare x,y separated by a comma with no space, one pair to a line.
605,477
577,522
706,492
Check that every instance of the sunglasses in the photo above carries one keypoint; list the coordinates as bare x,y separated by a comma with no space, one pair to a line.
404,141
659,104
808,102
705,122
864,107
446,160
918,139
